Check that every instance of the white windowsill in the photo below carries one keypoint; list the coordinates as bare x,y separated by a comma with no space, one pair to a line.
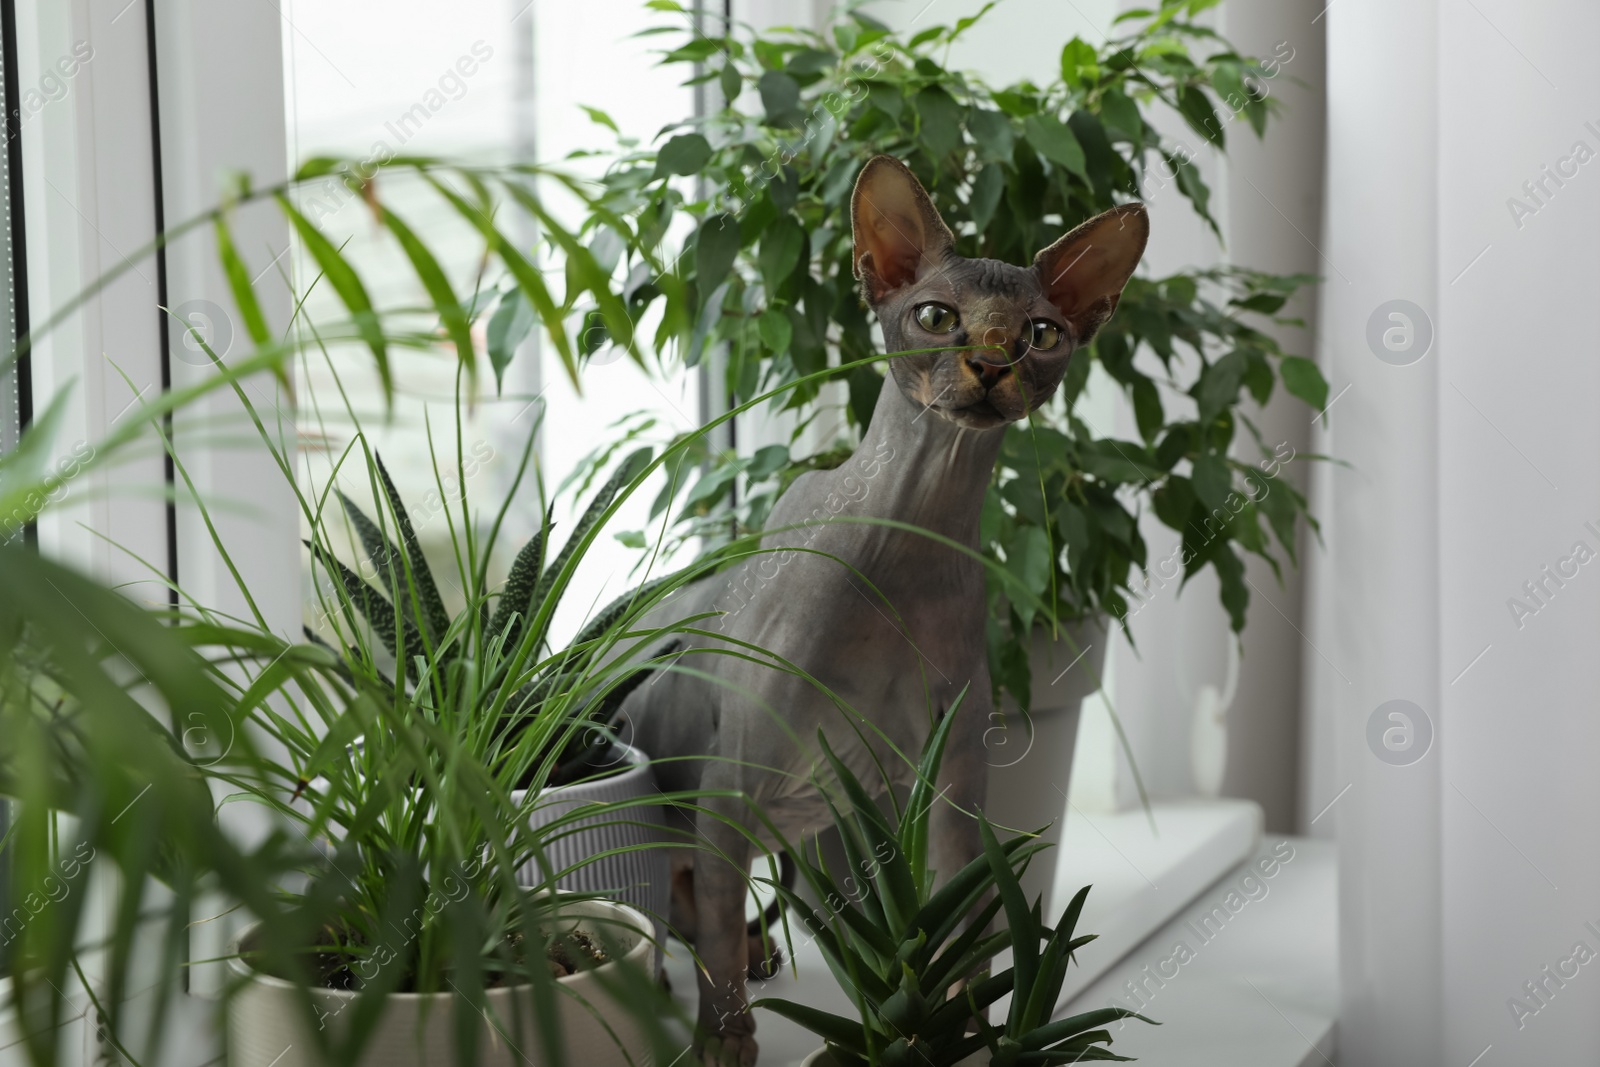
1262,990
1146,888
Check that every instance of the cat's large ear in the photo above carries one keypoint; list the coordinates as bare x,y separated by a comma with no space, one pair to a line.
1084,272
897,228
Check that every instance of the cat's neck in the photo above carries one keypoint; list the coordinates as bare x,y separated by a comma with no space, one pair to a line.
933,473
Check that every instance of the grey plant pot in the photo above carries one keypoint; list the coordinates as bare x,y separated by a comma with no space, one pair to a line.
266,1027
639,878
1030,756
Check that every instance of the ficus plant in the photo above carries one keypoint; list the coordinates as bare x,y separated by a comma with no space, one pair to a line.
764,281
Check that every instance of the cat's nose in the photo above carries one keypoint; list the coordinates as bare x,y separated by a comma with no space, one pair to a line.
990,366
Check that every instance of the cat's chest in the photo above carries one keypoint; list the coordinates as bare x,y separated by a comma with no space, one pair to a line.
841,616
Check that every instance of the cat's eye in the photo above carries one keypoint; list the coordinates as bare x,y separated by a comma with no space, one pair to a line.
1044,335
937,318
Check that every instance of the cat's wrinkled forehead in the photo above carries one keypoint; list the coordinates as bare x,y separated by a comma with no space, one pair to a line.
992,277
958,279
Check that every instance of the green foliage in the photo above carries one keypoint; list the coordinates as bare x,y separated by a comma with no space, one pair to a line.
898,941
386,762
766,273
471,659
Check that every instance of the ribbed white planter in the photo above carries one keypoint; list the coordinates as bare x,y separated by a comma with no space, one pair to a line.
1030,758
639,878
266,1027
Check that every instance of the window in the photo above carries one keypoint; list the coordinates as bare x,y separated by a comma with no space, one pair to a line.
497,81
14,388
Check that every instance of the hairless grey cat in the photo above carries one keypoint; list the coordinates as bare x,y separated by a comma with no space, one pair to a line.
891,623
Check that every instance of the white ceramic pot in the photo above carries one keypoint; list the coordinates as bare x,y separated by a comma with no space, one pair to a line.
1030,757
266,1027
641,877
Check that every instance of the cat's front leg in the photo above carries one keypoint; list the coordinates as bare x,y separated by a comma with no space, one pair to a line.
954,839
726,1027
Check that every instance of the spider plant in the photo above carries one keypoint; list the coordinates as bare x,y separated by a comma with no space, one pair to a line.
387,866
470,659
389,837
912,952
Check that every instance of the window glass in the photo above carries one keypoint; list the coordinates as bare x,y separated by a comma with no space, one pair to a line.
479,81
11,404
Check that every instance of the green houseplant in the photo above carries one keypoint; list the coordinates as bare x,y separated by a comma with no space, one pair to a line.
547,732
765,279
914,955
391,870
388,867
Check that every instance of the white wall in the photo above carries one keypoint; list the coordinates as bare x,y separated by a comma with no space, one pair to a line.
1273,191
1466,872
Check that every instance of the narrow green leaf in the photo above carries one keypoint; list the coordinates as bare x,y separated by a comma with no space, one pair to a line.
1072,1026
347,284
896,887
421,574
516,596
1024,951
920,800
527,277
378,612
451,313
625,473
595,279
243,289
600,118
846,1033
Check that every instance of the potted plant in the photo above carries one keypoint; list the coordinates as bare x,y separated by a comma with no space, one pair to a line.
1009,168
554,739
912,949
377,928
592,948
383,880
766,279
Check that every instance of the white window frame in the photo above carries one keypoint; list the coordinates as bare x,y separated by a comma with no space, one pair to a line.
172,95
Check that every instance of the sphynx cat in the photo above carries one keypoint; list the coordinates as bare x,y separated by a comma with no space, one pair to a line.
898,632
